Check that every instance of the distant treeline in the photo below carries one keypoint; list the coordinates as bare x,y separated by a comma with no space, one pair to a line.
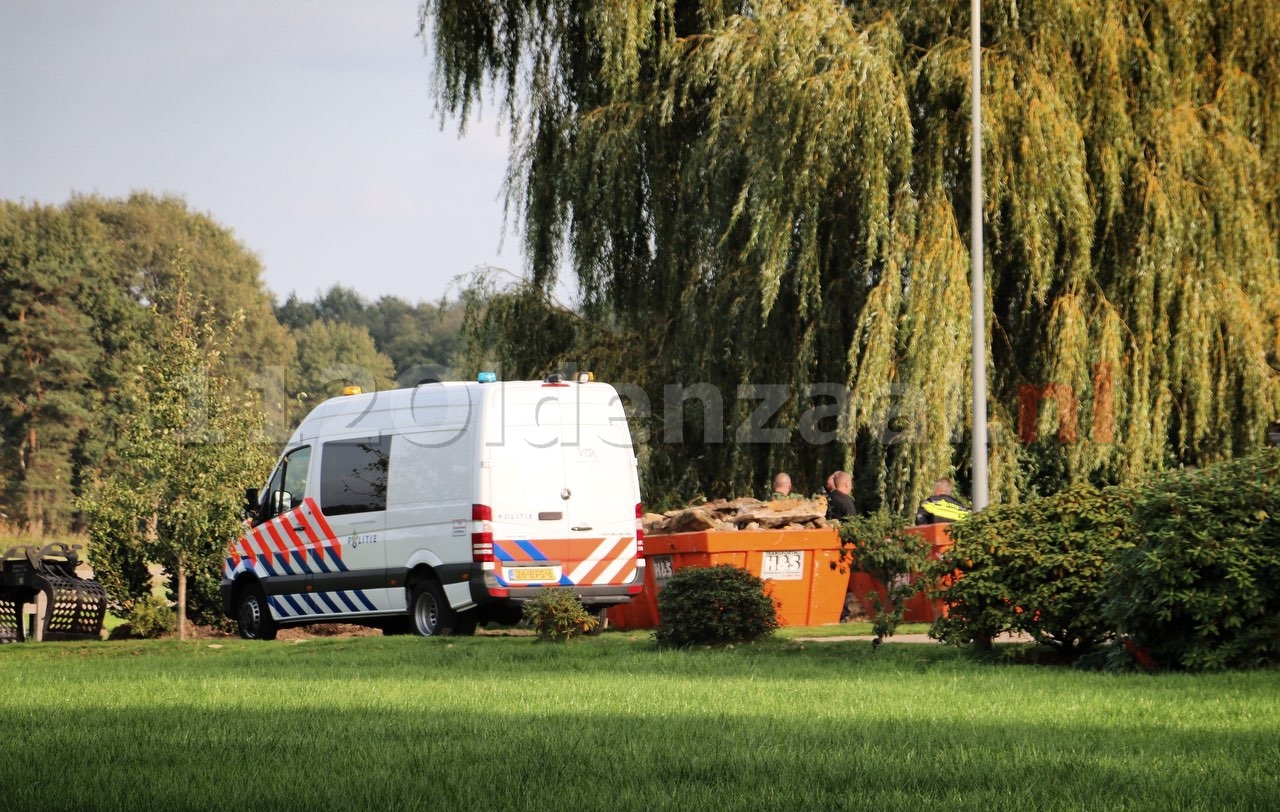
418,339
76,284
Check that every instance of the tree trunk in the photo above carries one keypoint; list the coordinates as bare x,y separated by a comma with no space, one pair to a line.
182,599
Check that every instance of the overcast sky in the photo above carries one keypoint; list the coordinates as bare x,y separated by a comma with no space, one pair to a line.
307,128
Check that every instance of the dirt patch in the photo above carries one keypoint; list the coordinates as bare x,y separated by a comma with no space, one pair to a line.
323,630
327,630
312,631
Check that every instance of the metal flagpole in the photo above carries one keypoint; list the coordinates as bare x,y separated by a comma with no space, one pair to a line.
976,282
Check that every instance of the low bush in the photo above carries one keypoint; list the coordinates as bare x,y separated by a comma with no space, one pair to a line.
714,606
877,545
557,615
1037,568
1200,588
152,616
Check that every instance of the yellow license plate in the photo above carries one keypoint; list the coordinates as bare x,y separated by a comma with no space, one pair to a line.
533,574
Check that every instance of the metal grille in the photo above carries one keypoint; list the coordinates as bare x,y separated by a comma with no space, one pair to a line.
76,607
11,630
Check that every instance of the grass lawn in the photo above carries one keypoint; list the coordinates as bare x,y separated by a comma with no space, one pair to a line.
503,723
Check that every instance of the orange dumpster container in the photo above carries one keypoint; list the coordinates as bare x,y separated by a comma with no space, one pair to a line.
919,609
641,612
795,564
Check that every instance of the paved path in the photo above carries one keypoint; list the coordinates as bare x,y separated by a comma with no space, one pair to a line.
845,638
905,638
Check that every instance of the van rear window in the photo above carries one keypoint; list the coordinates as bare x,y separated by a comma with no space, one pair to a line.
353,475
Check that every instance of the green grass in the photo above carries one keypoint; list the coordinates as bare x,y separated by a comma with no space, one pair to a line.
509,723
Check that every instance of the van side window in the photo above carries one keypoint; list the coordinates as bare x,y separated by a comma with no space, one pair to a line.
288,484
353,475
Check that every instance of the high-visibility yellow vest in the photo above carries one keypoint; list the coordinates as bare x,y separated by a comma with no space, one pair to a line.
944,509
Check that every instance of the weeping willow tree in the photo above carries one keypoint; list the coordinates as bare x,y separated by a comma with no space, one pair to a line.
777,193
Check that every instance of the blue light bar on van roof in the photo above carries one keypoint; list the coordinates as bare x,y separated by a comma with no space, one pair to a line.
486,377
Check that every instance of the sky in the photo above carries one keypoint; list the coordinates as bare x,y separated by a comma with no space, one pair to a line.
307,128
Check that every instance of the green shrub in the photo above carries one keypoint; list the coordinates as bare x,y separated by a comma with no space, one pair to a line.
152,616
557,615
1200,589
877,545
1037,568
204,598
714,606
116,550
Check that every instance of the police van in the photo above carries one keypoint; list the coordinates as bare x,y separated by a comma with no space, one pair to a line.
432,509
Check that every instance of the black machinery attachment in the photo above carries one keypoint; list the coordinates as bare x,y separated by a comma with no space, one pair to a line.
75,606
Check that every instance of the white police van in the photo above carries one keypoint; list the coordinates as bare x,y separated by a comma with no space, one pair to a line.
432,509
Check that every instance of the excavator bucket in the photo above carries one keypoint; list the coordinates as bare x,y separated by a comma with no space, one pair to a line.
75,606
13,593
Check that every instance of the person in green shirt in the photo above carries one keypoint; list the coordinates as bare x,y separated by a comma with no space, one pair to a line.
781,486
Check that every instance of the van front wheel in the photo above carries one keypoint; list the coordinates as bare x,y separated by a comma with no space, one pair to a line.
429,611
254,615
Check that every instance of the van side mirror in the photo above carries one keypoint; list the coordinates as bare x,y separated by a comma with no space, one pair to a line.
281,502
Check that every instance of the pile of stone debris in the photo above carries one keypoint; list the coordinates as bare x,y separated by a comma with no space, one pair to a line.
741,514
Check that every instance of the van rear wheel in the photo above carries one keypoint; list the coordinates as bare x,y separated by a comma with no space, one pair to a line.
253,614
465,623
429,611
602,621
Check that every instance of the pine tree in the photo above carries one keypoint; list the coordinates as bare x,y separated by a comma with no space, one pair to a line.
77,283
47,361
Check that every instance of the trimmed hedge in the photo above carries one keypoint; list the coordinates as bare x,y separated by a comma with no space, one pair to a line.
1185,570
1200,589
1037,568
714,606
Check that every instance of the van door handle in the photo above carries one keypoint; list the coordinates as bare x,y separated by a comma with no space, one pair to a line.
581,527
299,528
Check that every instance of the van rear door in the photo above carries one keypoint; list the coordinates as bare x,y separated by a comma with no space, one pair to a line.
600,477
563,488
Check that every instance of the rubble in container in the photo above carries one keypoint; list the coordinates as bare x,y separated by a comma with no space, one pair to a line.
741,514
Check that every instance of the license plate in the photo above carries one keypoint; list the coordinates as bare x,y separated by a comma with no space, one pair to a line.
783,566
532,574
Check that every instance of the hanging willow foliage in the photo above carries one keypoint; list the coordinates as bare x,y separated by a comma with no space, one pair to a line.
777,193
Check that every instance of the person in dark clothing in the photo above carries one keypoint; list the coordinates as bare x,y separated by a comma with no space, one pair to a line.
840,504
941,506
